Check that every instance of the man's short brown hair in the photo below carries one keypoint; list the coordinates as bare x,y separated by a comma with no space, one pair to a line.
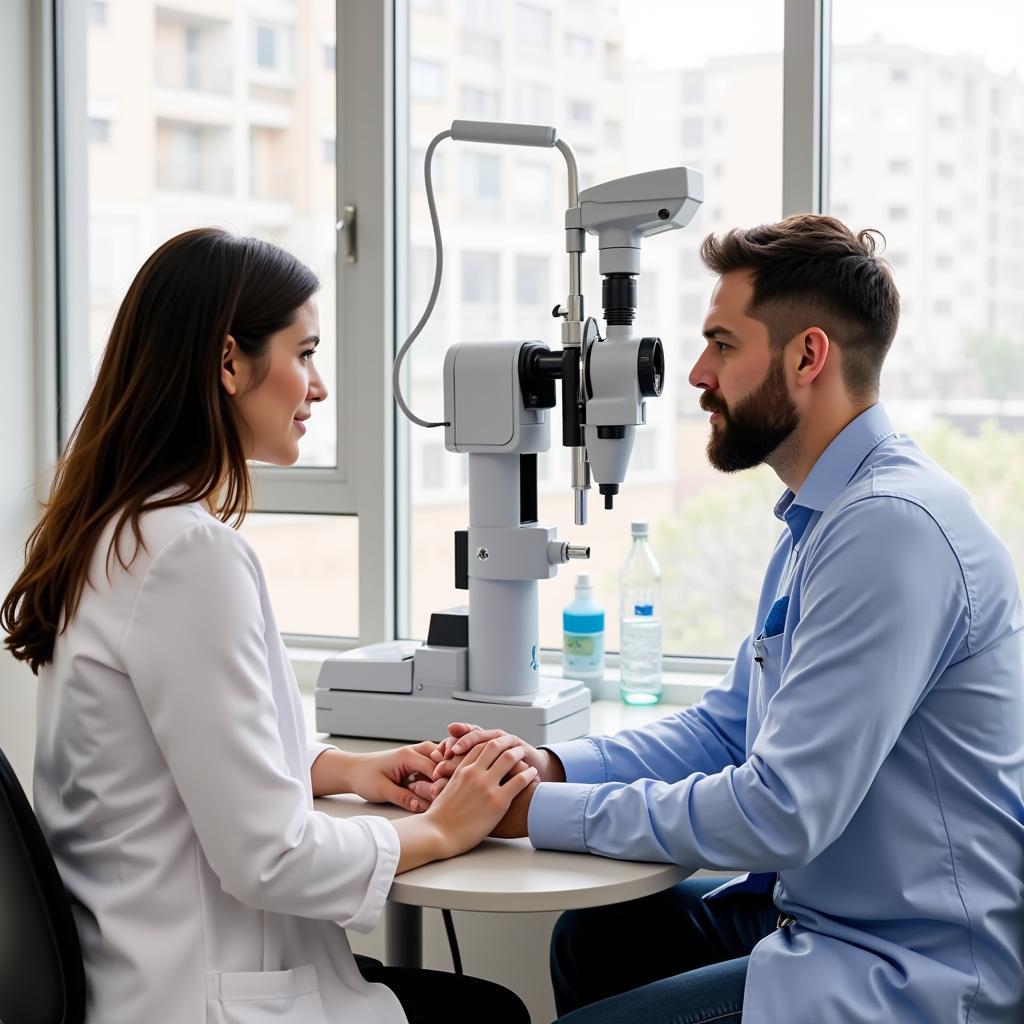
810,270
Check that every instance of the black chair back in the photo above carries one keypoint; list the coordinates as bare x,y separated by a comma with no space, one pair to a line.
42,980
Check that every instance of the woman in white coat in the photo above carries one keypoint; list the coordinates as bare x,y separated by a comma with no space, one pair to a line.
173,778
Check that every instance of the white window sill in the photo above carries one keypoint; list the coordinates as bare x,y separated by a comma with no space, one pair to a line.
679,688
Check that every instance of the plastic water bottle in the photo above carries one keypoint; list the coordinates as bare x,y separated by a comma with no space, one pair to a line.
583,634
640,622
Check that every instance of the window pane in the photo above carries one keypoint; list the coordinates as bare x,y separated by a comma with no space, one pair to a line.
928,146
221,120
312,568
647,86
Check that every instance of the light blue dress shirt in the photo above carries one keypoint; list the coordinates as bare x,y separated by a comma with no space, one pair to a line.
867,748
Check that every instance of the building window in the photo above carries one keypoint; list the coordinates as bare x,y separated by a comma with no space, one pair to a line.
531,184
899,166
899,75
266,47
478,104
330,151
693,86
533,27
532,103
898,214
480,280
96,12
99,130
330,52
577,45
481,176
693,132
532,286
943,215
271,48
581,111
481,30
426,80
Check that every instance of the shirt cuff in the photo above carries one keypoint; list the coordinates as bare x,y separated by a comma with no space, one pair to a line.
582,760
314,750
555,818
389,849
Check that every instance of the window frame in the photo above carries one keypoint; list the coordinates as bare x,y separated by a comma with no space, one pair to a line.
371,477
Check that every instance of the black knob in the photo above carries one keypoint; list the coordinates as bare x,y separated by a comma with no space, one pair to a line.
650,367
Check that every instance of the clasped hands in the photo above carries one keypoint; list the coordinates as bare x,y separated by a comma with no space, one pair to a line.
413,777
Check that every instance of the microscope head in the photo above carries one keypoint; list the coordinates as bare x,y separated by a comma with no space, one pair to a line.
623,211
621,370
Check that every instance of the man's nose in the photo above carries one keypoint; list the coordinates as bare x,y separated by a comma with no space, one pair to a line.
701,375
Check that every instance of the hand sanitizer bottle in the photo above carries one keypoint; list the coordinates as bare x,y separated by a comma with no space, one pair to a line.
583,634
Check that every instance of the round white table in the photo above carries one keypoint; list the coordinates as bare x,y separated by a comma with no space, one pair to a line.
503,875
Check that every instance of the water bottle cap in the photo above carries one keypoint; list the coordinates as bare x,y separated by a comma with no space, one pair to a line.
639,528
583,581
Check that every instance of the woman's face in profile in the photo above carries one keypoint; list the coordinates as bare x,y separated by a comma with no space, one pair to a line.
274,410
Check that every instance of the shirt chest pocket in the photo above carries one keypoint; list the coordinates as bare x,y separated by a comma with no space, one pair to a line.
767,673
265,997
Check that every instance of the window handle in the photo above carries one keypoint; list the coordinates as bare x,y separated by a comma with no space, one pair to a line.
346,228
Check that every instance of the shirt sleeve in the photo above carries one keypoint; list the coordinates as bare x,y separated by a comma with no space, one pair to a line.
883,613
702,738
194,649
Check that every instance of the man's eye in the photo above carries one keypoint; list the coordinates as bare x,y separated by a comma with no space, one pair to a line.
722,346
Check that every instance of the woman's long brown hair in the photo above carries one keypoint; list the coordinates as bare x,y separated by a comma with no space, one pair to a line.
157,417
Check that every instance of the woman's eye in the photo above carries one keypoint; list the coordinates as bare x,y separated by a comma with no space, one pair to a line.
305,356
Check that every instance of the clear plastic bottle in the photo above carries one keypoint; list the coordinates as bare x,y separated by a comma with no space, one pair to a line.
583,634
640,622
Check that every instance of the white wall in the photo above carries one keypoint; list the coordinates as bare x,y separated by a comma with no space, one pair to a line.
18,334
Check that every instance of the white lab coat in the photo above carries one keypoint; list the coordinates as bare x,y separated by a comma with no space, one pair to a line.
172,783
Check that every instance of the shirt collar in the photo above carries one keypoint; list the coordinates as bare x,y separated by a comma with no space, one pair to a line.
835,468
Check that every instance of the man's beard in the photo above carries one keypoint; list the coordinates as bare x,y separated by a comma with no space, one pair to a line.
757,426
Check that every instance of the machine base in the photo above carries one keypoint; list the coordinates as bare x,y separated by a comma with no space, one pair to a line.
553,716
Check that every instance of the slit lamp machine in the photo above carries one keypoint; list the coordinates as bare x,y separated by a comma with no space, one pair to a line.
480,663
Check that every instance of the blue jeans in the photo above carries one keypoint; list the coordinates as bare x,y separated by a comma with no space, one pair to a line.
670,958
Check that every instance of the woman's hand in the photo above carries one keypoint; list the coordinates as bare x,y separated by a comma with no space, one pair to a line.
384,777
462,738
479,793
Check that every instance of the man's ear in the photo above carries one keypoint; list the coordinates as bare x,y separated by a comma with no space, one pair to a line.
813,351
228,370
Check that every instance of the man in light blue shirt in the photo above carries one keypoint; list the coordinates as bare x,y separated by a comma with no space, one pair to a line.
863,759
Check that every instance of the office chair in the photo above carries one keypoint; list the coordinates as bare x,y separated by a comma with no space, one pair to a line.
42,980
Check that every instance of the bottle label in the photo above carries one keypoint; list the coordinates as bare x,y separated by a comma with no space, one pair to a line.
643,609
579,646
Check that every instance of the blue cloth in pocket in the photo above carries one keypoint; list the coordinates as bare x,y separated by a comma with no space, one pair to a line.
776,620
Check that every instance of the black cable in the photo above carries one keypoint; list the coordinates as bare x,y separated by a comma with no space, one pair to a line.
453,942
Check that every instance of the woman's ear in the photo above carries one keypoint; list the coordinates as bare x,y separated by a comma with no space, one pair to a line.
228,370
